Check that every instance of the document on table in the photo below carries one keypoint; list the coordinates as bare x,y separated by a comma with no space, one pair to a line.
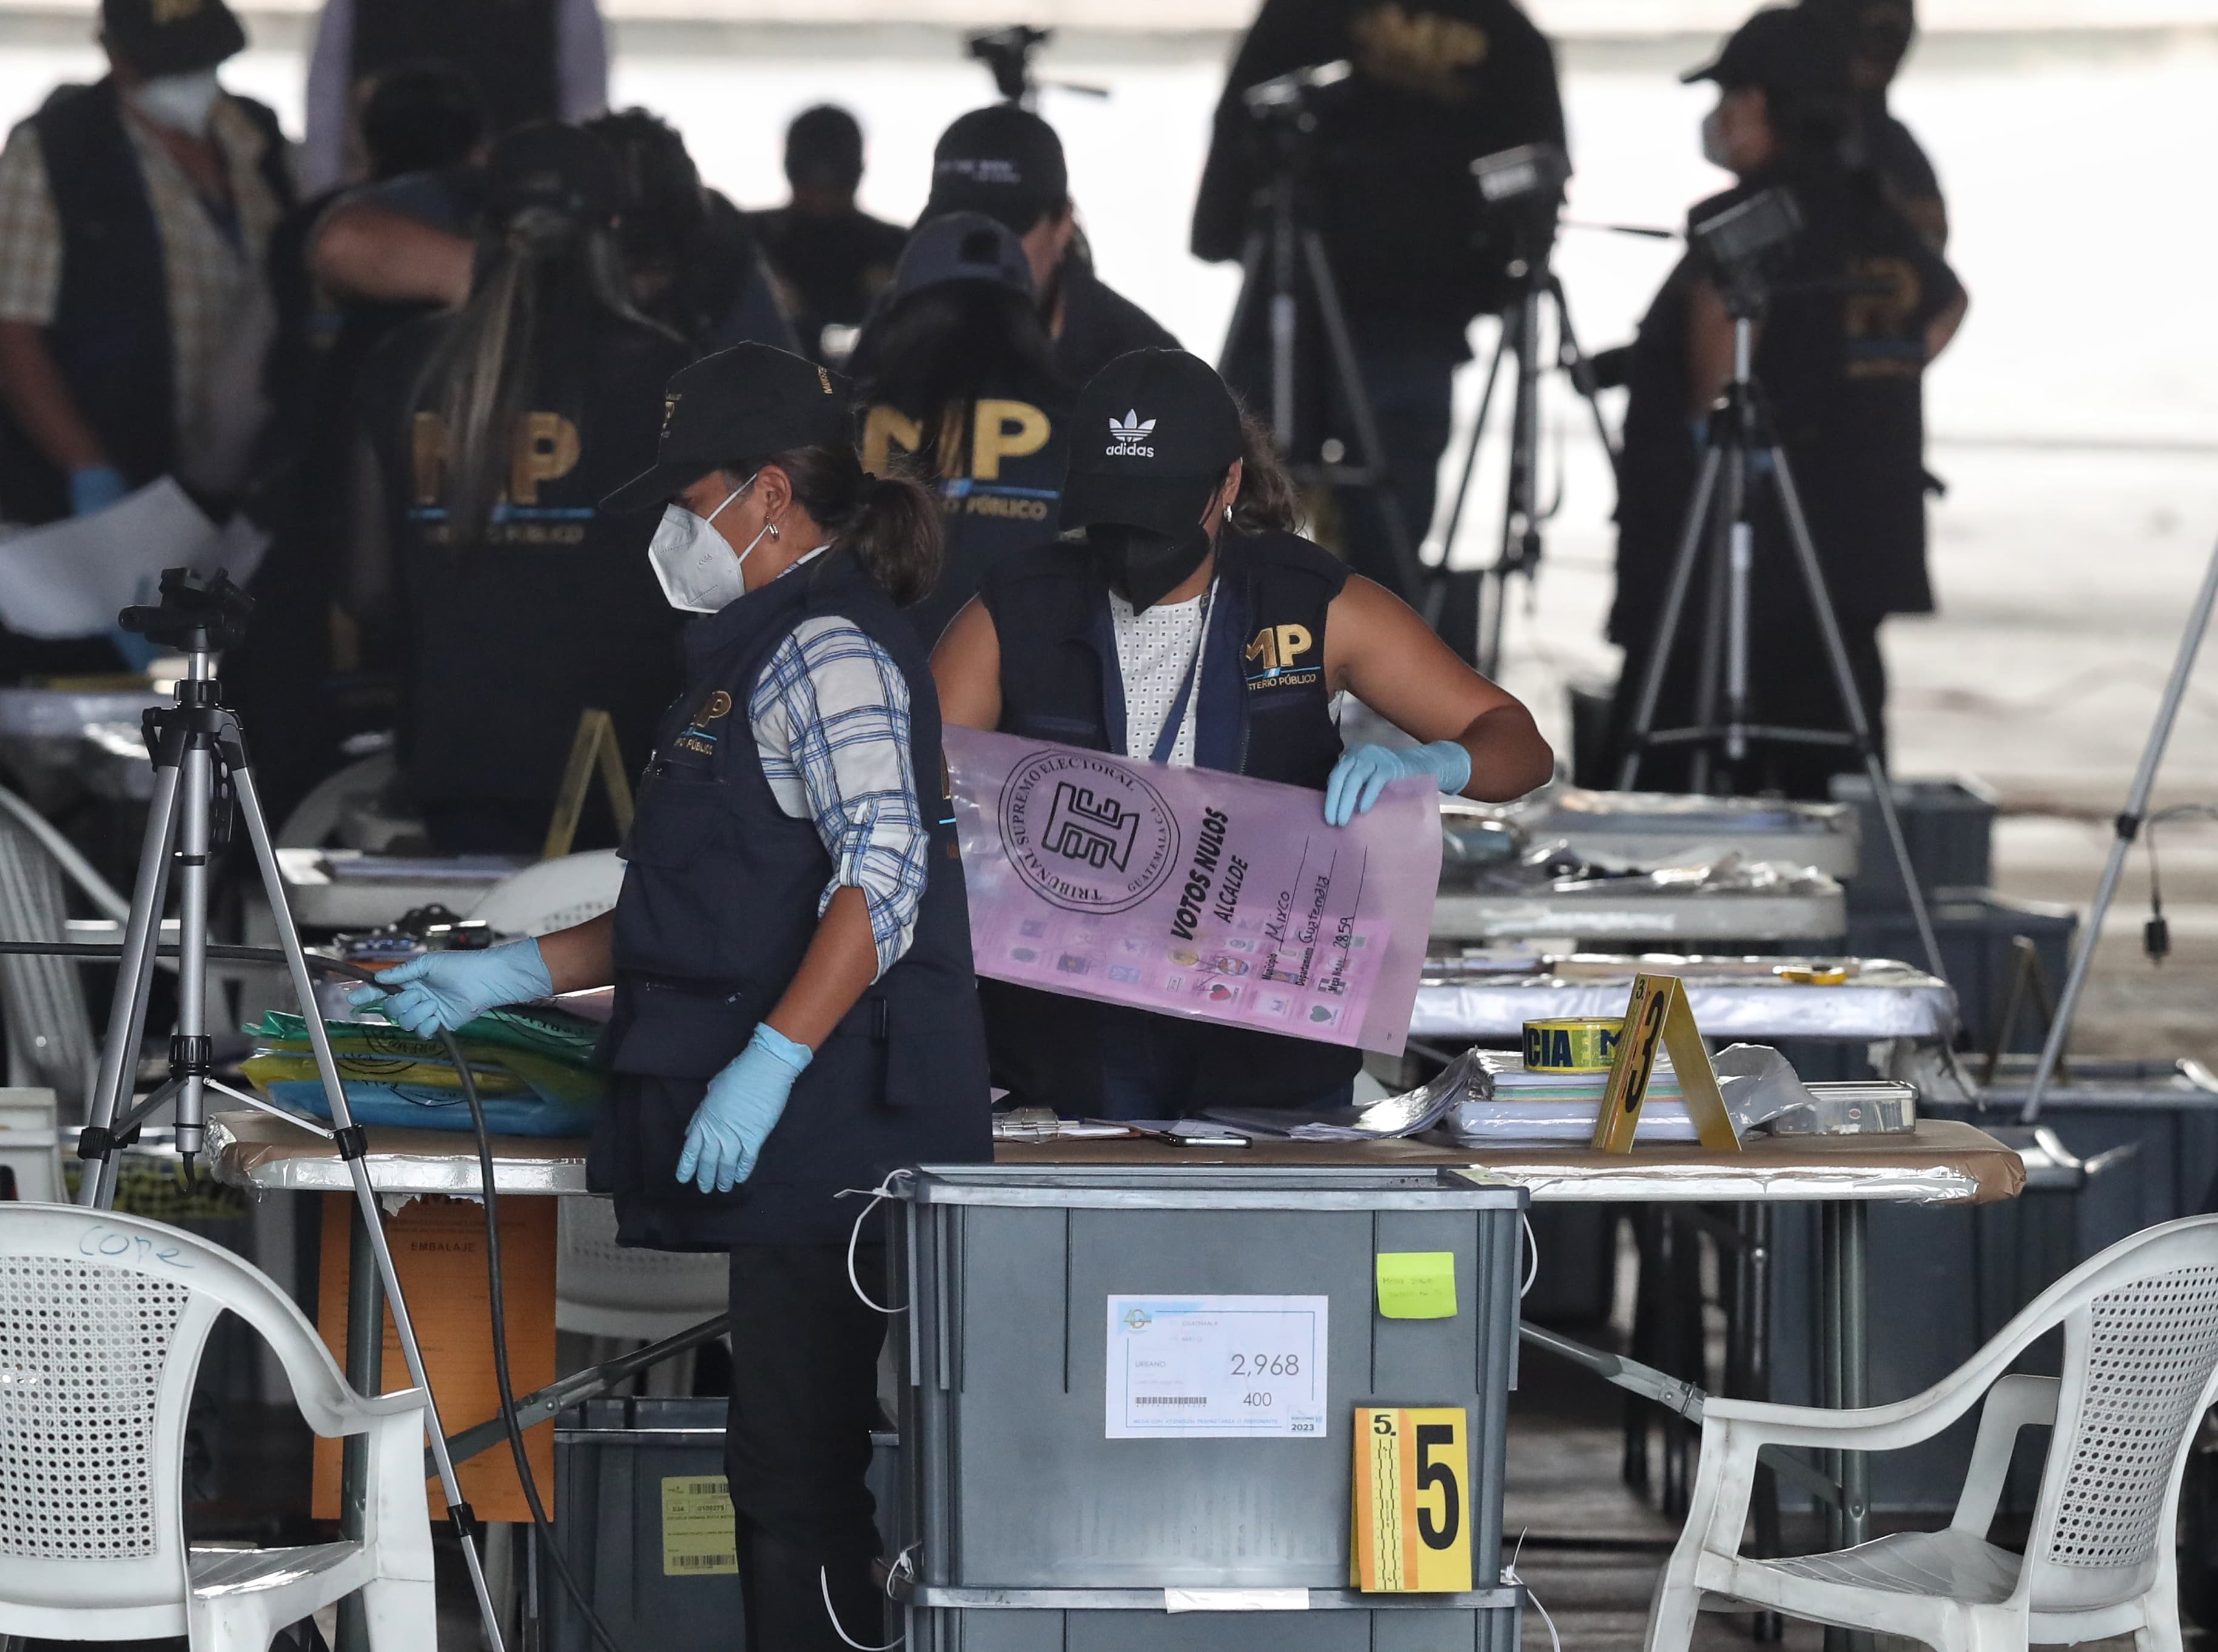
1216,1367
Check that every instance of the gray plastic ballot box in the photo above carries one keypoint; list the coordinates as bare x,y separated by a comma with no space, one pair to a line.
1079,1344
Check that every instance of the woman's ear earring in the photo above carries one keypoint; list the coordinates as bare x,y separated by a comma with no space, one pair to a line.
773,530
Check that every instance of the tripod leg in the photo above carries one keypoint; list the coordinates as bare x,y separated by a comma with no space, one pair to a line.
2129,828
351,1150
1573,360
1400,544
1243,307
119,1053
1844,678
1720,668
1470,453
1520,508
1667,625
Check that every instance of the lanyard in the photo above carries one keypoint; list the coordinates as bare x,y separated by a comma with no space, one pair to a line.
1167,741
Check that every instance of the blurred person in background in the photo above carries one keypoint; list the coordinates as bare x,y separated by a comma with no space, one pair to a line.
831,258
958,377
1008,162
528,60
418,118
489,437
1878,34
691,256
134,314
1436,84
1860,304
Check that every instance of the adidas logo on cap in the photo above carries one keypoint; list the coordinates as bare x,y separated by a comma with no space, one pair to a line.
1128,436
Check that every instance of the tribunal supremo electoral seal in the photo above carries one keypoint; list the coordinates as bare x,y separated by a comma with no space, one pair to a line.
1086,833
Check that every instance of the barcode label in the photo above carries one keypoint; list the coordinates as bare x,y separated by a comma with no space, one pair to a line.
1170,1399
697,1535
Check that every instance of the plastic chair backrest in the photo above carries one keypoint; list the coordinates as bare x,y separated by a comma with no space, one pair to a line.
103,1318
553,894
592,1271
50,1038
2141,1363
315,818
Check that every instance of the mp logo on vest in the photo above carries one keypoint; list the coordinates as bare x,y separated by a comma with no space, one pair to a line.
1128,437
1274,657
1086,834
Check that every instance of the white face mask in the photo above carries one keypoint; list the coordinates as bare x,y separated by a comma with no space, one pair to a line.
1713,139
698,572
180,103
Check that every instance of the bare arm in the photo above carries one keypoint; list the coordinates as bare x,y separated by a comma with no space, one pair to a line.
583,956
32,384
361,251
967,667
841,962
1378,650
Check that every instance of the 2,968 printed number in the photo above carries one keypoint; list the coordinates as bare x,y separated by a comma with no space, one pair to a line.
1267,1365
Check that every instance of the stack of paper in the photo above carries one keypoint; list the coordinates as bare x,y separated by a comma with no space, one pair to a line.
1507,1104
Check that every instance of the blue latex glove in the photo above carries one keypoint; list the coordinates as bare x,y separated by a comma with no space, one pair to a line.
1361,774
743,1105
94,487
444,990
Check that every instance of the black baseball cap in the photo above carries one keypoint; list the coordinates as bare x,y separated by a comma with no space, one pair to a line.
962,247
1788,52
737,407
1151,436
562,169
170,37
1002,161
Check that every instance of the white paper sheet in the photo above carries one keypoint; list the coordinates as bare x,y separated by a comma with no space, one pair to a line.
1216,1367
71,578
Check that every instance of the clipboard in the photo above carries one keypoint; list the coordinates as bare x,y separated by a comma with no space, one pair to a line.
1658,1018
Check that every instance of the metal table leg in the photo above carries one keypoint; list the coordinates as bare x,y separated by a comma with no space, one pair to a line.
1844,1372
365,1370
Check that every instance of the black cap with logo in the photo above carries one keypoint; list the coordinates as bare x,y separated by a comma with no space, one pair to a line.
1002,161
962,247
170,37
1789,53
1151,436
739,407
548,165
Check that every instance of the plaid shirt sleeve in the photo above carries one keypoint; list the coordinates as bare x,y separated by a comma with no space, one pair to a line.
831,718
30,232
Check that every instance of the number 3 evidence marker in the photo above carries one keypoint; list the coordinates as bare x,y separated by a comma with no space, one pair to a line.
1412,1525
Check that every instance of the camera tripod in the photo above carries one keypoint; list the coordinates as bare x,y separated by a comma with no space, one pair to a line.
2126,829
201,776
1724,721
1283,269
1518,346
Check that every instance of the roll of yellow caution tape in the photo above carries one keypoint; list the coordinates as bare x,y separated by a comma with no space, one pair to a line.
1586,1044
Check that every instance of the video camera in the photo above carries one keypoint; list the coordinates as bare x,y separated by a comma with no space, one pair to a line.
1007,55
1522,192
1293,96
198,613
1743,245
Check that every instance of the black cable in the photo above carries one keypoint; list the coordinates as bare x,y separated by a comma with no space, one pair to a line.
514,1430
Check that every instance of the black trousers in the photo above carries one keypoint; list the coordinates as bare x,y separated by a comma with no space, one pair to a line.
797,1444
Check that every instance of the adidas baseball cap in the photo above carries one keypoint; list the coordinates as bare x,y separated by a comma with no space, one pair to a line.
736,408
1151,436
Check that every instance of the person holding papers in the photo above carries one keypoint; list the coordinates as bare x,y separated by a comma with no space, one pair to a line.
1182,621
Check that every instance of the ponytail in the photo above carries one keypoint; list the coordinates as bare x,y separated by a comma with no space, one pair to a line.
1268,499
891,523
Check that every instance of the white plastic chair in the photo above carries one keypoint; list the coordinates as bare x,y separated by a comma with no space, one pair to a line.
552,894
103,1318
605,1290
2141,1364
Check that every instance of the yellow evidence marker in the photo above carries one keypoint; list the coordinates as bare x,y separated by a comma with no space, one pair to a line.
1412,1507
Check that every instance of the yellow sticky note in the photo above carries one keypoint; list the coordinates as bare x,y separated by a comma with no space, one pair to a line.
698,1538
1416,1284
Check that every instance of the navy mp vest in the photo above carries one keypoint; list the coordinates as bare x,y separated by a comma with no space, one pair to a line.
1264,710
110,334
720,902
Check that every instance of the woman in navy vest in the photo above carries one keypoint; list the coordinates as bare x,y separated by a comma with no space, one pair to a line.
1184,621
794,1012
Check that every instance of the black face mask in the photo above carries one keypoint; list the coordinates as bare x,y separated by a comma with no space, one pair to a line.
1144,566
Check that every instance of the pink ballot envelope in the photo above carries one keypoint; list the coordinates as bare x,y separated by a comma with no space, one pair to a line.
1193,892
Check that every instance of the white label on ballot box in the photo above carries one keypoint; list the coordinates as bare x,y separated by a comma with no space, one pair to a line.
1216,1367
